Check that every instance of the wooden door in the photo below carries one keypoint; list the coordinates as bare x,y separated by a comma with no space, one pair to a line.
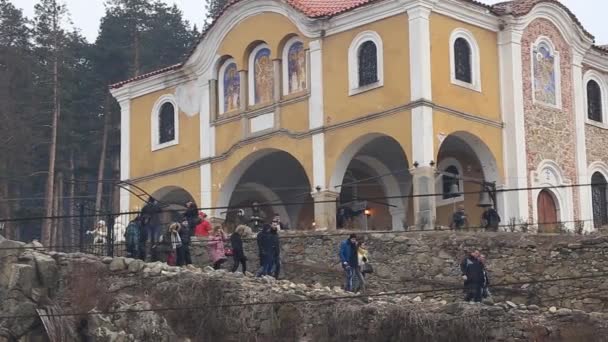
547,213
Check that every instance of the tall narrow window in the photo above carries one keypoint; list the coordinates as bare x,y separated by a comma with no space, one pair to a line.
449,180
599,198
368,64
462,60
594,101
166,123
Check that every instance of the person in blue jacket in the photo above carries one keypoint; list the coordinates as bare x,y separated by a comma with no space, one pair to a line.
349,261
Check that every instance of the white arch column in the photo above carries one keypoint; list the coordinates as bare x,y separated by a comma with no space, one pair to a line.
422,117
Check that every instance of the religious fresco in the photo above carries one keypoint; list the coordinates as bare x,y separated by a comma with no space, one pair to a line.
232,88
297,67
264,75
545,89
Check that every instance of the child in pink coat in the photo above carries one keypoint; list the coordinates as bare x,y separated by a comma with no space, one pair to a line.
215,247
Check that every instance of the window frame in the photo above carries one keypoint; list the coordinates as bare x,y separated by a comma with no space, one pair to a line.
285,66
155,121
353,62
475,60
251,74
558,73
593,75
220,86
443,165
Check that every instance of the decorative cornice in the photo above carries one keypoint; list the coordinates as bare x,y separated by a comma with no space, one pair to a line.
328,128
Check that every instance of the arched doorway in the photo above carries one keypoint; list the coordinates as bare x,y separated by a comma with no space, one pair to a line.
277,181
173,201
372,173
599,200
464,163
547,212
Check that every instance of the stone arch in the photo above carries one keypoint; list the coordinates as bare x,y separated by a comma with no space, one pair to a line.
243,179
392,180
482,151
173,199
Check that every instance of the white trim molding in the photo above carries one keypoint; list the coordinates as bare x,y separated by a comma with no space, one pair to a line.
125,152
540,41
592,75
155,118
443,165
353,62
220,85
251,73
475,59
285,65
316,114
548,175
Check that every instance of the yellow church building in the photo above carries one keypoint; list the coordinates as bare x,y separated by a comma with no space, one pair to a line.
408,108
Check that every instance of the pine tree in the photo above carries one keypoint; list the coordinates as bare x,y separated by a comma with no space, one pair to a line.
214,8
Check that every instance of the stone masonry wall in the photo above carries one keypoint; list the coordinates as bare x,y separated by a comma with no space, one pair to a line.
121,299
415,261
550,132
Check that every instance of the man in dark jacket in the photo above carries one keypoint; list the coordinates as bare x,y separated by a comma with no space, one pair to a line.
191,215
183,251
490,219
266,245
276,248
474,277
349,261
150,214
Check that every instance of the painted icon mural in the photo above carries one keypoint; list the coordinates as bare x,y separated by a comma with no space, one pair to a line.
297,67
545,89
264,75
232,88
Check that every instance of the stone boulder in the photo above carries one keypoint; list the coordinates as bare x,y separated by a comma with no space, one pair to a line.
118,264
22,278
46,268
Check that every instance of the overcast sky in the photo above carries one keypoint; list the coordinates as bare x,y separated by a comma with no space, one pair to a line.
86,14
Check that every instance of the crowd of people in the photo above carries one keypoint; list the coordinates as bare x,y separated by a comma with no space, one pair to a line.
145,241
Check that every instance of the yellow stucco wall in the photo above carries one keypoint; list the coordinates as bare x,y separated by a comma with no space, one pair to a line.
397,126
226,135
339,106
294,116
486,103
144,161
271,28
300,149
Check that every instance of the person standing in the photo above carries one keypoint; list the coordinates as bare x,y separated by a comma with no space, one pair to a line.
236,242
364,266
349,261
276,219
459,219
203,229
474,277
485,289
132,237
276,249
215,247
183,252
166,248
150,214
490,219
266,250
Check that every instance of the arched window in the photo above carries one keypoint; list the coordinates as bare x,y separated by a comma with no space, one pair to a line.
229,92
462,60
368,64
165,122
261,75
365,63
295,77
594,101
449,180
465,68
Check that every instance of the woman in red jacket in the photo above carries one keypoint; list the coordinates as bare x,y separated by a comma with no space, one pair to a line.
203,228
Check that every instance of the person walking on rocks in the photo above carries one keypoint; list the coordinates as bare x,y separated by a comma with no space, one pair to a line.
474,277
236,241
215,247
349,261
364,266
485,289
276,249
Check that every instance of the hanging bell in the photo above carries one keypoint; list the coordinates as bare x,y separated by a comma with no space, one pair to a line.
484,199
454,190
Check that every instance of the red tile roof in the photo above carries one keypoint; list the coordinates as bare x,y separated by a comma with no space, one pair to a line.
328,8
